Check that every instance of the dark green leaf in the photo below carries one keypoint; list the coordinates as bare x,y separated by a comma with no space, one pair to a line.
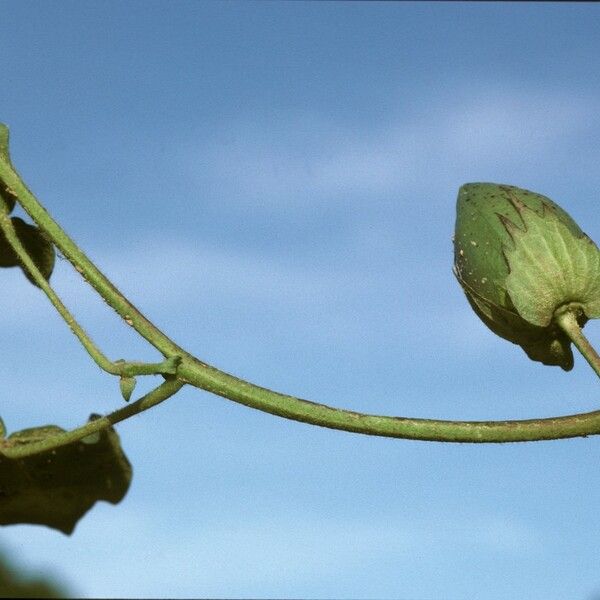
8,258
37,245
56,488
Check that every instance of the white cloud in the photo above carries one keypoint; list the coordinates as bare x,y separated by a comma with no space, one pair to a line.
299,160
330,300
499,123
263,555
22,302
191,269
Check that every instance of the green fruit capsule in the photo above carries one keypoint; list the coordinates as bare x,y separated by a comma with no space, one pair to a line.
521,260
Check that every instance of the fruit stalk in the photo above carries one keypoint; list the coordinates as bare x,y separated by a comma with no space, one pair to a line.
567,321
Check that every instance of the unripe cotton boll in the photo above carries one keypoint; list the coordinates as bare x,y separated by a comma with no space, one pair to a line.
521,260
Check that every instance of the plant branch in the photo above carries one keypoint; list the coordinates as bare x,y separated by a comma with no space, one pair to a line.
197,373
120,367
156,396
112,296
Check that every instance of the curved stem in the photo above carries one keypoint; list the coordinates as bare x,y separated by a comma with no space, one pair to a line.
290,407
197,373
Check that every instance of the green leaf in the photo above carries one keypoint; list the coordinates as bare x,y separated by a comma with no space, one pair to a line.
8,257
519,257
56,488
39,248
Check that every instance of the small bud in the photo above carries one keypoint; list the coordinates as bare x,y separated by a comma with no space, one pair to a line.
520,258
127,385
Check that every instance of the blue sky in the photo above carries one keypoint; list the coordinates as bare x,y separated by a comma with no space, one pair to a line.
274,185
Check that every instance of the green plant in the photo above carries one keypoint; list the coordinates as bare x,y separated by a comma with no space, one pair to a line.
526,268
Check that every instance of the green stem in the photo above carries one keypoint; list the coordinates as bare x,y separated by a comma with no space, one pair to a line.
197,373
119,367
130,314
11,235
290,407
156,396
567,321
